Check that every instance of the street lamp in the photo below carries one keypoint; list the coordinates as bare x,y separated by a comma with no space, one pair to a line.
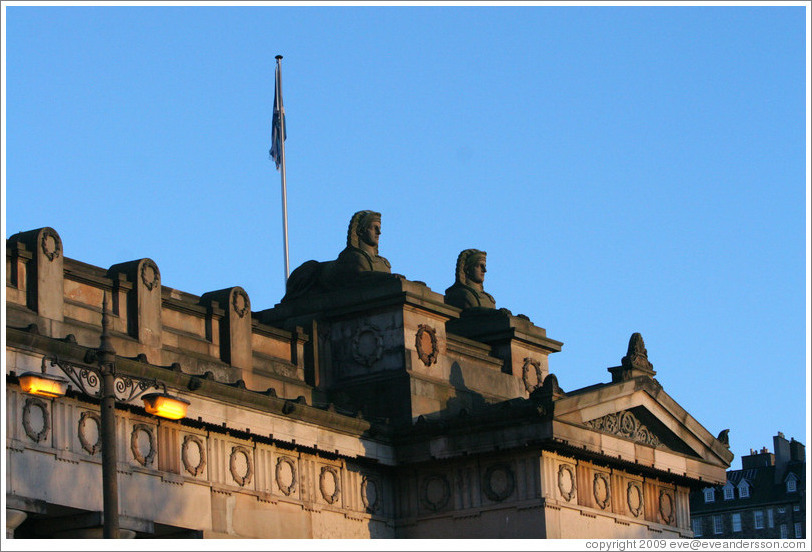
101,382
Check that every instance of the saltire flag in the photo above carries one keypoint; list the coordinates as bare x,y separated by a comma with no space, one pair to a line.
278,127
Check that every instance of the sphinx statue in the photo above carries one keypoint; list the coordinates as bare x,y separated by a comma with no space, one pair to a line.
359,260
467,291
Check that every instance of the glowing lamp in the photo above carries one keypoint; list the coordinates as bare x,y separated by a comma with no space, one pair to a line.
43,385
165,405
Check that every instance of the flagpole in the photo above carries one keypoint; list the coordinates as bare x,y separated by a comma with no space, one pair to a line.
282,155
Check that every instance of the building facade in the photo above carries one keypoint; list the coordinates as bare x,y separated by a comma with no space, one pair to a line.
766,499
363,405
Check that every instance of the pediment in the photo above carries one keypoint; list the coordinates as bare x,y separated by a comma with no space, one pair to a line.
641,426
639,411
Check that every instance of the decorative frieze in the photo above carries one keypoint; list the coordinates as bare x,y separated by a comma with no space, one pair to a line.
498,482
285,475
566,482
531,374
601,490
435,492
625,424
367,344
634,498
371,493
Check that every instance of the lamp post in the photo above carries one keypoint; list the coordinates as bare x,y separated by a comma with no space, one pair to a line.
101,381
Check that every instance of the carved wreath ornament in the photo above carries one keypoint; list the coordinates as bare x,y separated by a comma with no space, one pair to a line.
143,459
51,244
149,274
36,434
634,499
566,482
328,484
498,482
425,342
240,302
285,475
86,416
600,489
367,345
435,492
666,507
190,441
531,367
371,493
244,478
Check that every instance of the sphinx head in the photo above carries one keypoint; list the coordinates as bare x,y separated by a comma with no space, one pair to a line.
471,267
365,228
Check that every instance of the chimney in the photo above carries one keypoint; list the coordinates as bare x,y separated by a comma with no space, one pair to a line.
797,451
782,455
756,459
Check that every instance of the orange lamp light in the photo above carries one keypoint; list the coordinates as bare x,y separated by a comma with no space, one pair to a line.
165,405
43,385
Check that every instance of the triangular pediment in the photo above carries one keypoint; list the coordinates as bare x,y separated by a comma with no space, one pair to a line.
639,411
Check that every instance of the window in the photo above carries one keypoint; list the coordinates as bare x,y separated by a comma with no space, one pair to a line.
770,520
758,519
717,525
744,490
728,492
792,483
781,510
799,528
783,531
709,495
796,508
737,522
696,525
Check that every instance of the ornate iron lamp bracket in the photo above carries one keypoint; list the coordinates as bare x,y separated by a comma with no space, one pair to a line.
88,380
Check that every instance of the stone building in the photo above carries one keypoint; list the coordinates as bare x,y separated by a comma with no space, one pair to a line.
362,405
766,499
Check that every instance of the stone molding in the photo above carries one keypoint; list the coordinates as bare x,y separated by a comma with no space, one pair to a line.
193,469
34,434
91,448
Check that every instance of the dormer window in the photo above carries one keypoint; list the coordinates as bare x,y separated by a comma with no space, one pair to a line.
709,495
792,483
744,489
728,491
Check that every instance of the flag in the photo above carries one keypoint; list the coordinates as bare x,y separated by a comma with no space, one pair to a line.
278,127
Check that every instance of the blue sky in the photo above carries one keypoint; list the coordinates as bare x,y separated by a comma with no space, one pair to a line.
627,169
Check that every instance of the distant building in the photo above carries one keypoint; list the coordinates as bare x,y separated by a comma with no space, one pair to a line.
764,500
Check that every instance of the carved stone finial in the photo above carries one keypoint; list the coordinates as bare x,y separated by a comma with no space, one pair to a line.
723,437
636,355
468,291
635,363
